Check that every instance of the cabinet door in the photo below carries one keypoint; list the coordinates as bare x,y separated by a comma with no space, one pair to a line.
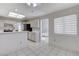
35,23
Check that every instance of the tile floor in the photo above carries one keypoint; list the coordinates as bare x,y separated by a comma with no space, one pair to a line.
34,49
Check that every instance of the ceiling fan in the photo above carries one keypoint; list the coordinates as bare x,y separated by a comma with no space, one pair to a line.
33,4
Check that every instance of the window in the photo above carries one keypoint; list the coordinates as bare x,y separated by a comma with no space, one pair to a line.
66,25
18,26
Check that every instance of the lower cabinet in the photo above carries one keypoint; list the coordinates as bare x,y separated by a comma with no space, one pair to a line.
33,36
10,42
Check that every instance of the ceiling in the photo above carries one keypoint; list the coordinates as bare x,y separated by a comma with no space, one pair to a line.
29,12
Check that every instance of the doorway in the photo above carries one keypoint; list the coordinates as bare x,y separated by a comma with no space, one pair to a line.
44,30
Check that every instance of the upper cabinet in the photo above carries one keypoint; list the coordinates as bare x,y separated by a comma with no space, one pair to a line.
35,23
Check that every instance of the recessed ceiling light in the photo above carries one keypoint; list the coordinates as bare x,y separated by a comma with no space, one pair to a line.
34,5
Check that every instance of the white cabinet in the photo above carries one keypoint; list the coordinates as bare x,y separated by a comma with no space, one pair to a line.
35,23
34,36
10,42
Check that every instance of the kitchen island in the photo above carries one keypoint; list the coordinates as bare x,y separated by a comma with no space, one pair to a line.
12,41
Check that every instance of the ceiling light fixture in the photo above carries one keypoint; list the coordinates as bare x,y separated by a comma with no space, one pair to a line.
15,15
32,4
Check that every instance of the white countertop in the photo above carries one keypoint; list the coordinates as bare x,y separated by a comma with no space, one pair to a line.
12,32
